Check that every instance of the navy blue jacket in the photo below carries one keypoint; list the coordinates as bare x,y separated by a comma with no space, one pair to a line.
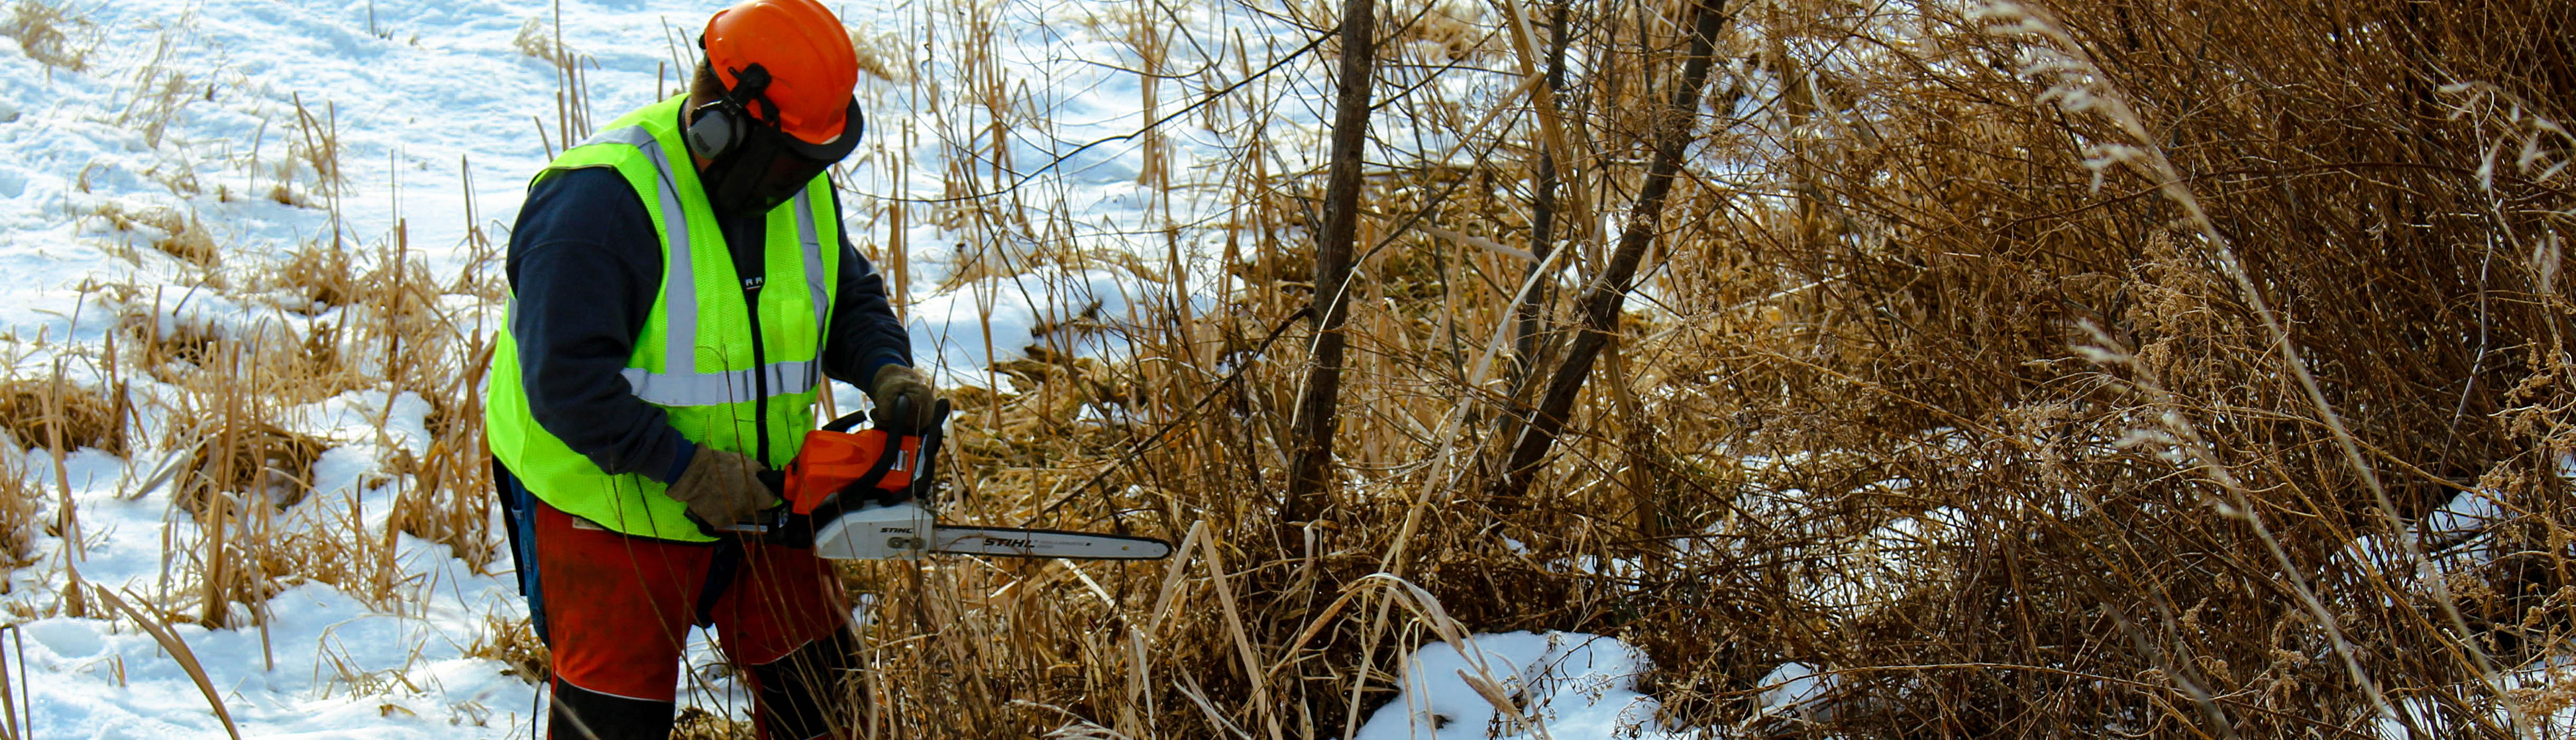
586,264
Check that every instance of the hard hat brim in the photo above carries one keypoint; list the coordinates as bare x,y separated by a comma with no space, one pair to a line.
842,139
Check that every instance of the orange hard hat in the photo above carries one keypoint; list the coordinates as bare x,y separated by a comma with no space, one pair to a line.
812,68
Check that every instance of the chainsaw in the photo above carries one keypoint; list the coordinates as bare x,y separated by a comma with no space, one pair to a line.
859,496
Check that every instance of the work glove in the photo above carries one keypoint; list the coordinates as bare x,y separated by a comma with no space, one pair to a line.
898,382
721,487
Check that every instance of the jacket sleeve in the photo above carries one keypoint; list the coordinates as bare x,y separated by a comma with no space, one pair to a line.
584,265
865,335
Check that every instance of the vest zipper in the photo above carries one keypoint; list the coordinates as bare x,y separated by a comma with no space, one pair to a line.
753,274
759,371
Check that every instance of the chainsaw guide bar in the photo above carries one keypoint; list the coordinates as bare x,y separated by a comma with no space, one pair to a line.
905,531
859,494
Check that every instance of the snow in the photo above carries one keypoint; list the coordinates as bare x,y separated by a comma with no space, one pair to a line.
2453,539
342,669
1561,685
323,662
439,85
1793,688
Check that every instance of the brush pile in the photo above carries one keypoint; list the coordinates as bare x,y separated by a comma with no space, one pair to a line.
2189,369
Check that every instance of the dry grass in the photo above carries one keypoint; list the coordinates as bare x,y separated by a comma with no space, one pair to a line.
537,39
273,465
542,38
50,34
234,378
1855,419
878,55
33,410
514,643
320,277
161,89
170,231
700,724
18,512
314,147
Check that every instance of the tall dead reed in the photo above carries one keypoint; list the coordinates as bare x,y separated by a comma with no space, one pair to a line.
2235,412
18,514
235,391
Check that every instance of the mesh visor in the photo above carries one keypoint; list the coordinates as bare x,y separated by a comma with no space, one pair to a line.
772,166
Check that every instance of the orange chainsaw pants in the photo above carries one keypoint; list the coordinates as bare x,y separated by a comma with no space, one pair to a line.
618,609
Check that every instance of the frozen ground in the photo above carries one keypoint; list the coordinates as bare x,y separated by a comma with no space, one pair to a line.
193,115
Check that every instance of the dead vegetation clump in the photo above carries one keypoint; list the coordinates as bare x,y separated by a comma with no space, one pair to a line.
50,34
38,412
514,643
699,724
536,39
2065,302
171,231
216,361
2065,368
319,278
18,512
165,349
875,54
259,459
314,147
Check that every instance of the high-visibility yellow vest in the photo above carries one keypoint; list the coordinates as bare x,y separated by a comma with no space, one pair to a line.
696,356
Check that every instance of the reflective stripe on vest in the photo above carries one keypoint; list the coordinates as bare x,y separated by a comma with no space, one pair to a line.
681,384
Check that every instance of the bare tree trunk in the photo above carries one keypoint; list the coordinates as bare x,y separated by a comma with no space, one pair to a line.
1609,291
1310,470
1542,215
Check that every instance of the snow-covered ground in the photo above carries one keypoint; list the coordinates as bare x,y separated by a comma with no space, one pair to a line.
1558,685
201,117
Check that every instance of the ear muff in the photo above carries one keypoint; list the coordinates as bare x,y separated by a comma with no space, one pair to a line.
714,132
721,125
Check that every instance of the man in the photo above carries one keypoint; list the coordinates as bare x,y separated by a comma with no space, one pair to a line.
679,287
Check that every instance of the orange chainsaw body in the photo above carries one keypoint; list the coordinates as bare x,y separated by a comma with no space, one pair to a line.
832,463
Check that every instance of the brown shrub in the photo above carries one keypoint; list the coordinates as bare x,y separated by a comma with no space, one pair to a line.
49,34
699,724
18,510
514,643
1859,415
172,232
33,411
254,458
